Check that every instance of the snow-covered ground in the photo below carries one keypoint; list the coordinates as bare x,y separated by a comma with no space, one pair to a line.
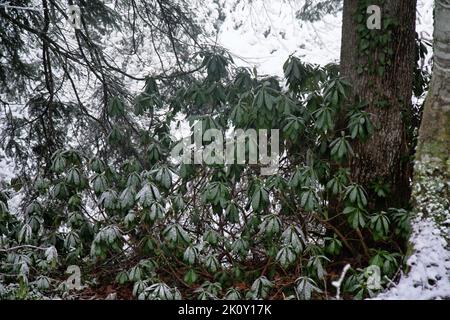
264,33
429,277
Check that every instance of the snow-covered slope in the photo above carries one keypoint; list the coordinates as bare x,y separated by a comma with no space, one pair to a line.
429,277
264,33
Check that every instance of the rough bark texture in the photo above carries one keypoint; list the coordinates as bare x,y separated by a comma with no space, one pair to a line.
385,156
429,262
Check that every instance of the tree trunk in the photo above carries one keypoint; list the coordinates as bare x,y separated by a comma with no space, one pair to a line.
433,151
429,262
387,90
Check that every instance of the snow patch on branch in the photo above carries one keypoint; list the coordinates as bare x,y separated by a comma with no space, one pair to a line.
6,5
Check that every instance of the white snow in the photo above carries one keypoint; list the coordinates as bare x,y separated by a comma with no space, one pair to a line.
429,277
263,34
245,32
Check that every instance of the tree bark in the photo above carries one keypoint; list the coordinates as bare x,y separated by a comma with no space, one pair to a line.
385,157
433,150
429,261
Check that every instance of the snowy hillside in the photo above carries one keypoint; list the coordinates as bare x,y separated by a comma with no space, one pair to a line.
265,33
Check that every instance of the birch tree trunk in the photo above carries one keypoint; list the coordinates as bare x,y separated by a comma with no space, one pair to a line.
429,262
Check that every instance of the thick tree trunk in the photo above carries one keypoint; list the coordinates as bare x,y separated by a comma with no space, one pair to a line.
429,262
388,91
